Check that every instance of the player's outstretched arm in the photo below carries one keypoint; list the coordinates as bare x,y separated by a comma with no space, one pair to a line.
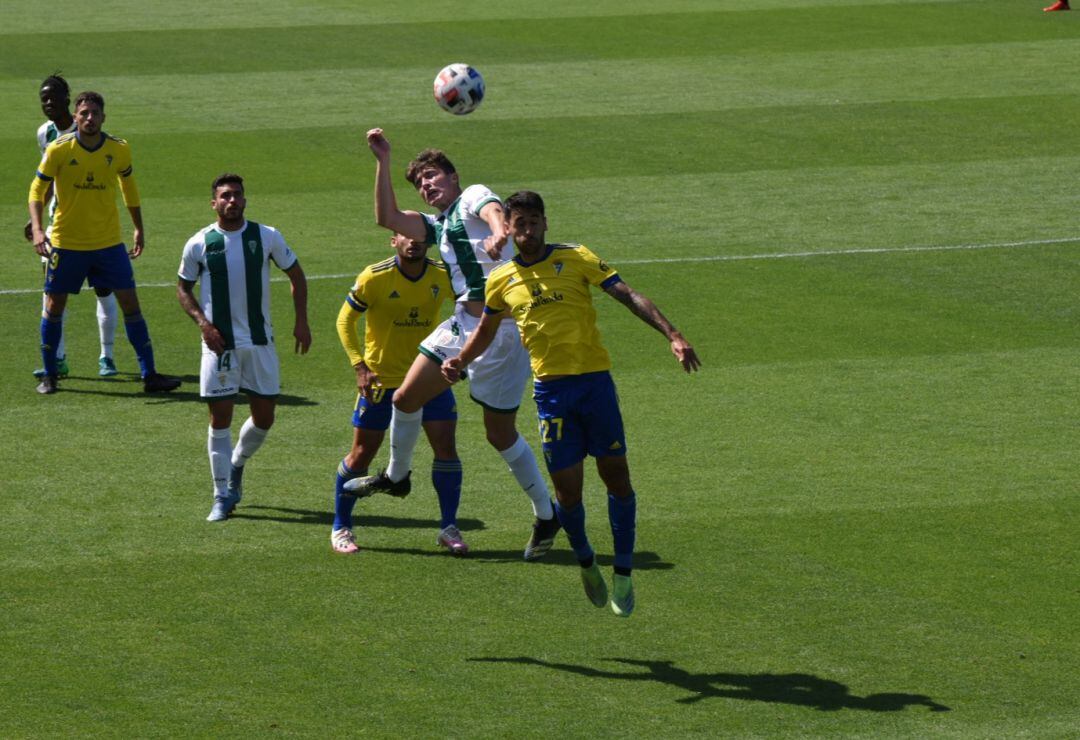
185,294
478,341
301,330
387,213
647,311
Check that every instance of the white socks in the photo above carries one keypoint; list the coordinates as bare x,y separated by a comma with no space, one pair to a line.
404,431
522,462
219,445
107,317
248,443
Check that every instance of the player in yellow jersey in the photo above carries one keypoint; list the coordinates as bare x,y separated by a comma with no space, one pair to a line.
86,168
399,299
546,289
55,97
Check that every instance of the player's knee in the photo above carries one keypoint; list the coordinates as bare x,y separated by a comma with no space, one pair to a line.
406,402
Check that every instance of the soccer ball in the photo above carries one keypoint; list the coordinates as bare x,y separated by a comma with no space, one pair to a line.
459,89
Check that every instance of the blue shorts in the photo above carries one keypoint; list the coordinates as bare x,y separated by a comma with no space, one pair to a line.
579,416
375,415
101,268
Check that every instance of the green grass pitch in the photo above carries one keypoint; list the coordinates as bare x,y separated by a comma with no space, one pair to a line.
859,519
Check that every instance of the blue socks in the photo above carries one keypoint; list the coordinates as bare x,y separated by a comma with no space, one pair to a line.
622,513
573,523
343,505
139,336
446,477
52,328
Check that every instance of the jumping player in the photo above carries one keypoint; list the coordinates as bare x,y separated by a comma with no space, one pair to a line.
471,234
546,289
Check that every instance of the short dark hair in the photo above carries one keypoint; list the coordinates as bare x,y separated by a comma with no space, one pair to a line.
55,80
226,178
90,97
428,158
523,200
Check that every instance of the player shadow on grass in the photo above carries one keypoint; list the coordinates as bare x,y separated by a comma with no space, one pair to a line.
326,518
799,689
643,560
128,385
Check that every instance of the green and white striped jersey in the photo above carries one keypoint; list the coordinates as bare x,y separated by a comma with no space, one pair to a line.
235,270
459,233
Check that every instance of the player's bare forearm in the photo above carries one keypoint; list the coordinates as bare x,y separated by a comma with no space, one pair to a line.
37,231
186,296
138,238
647,311
477,342
301,330
493,215
387,213
481,338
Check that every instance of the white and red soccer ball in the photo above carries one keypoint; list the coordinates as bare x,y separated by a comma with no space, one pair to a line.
459,89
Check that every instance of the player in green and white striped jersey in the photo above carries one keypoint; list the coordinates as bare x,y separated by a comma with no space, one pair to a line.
55,96
471,235
232,258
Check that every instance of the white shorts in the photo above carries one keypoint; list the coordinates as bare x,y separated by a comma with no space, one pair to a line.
497,378
253,370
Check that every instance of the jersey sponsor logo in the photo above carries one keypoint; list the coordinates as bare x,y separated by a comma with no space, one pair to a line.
539,299
604,266
89,184
413,321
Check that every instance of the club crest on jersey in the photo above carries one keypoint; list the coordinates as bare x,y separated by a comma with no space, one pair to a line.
558,267
434,291
395,294
108,159
604,266
253,246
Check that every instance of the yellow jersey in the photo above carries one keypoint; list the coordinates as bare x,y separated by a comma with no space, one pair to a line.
398,312
551,302
85,183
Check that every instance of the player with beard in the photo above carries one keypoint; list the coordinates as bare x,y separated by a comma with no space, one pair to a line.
546,289
84,243
232,257
471,235
399,298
